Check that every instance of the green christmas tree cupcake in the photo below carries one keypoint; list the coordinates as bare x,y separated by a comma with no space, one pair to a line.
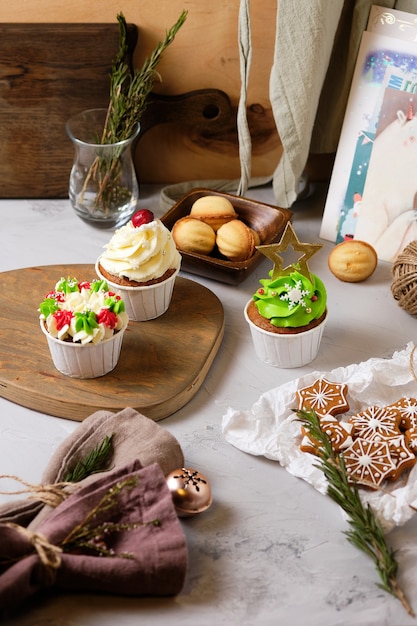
287,314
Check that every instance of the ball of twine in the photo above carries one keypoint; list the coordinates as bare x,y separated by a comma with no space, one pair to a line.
404,284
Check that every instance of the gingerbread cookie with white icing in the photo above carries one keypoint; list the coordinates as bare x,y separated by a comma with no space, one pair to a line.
339,434
401,454
407,409
411,438
376,423
369,462
324,398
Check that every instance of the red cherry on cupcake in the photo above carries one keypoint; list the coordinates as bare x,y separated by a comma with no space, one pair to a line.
143,216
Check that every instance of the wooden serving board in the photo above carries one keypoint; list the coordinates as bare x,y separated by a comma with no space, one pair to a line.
162,364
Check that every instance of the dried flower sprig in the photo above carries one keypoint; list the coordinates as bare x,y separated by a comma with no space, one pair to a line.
91,534
97,460
366,532
129,91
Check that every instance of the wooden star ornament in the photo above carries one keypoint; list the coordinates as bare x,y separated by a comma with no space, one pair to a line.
289,239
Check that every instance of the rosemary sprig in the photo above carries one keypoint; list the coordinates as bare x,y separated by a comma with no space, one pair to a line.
95,461
366,532
129,93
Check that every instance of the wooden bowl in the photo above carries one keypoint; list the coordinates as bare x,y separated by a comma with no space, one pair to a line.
269,221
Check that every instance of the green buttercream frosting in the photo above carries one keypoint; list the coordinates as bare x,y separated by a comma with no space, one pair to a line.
291,301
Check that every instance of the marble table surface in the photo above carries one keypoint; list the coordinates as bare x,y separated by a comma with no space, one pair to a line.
271,549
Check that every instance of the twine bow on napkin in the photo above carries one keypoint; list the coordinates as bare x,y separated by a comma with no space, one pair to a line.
118,534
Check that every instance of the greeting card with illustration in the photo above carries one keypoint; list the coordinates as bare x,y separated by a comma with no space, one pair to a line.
392,22
387,216
385,66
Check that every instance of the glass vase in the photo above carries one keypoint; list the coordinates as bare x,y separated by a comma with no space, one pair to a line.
103,187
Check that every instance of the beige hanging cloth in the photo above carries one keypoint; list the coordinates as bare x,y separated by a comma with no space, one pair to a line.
316,45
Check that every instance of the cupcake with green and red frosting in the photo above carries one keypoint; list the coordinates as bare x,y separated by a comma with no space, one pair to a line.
287,314
76,315
292,303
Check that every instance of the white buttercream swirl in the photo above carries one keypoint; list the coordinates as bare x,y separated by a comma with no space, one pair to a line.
141,254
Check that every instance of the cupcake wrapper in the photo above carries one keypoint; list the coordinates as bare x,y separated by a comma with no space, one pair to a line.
145,303
85,361
286,351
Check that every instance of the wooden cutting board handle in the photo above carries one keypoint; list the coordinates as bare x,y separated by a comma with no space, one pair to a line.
209,110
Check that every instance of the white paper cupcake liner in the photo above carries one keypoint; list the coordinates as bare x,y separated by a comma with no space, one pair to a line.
286,350
85,360
145,303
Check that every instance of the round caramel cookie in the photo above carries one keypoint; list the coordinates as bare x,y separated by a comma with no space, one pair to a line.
193,235
213,210
235,240
353,261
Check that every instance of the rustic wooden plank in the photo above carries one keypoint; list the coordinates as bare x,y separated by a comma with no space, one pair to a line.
204,56
163,362
48,72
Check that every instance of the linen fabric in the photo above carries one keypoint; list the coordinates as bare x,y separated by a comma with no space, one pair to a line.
135,437
315,51
155,560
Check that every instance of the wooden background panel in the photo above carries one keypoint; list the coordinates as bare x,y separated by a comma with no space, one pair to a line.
48,72
203,56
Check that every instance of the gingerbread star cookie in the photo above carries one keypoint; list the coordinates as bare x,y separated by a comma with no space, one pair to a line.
339,434
376,423
368,462
402,455
323,397
407,409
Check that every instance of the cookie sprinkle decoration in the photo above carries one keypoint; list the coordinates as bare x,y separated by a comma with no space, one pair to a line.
294,294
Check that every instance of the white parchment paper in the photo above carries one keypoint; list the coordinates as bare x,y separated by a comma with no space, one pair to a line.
270,428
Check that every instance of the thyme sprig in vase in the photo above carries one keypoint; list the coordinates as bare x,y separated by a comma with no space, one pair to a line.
103,185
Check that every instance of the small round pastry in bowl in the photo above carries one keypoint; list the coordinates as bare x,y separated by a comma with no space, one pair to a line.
213,210
193,235
236,241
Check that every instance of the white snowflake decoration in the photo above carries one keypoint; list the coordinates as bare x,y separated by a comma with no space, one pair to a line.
295,294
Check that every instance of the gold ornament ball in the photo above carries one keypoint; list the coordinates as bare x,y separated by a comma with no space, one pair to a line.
190,491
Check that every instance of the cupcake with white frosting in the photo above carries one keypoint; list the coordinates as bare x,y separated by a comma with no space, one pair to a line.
141,261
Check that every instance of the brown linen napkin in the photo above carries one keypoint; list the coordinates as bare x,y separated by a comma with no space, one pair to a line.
134,437
158,552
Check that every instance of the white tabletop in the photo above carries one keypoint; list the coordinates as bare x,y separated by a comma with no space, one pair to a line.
271,549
